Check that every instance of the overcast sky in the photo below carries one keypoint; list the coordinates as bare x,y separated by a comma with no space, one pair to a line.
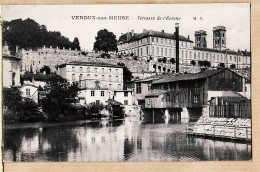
235,17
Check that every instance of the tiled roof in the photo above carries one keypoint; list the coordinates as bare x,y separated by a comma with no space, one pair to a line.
227,51
41,77
152,33
189,76
235,99
90,64
149,78
156,93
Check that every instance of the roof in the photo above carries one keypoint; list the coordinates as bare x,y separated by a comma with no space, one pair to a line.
29,85
11,57
149,78
156,93
189,76
147,33
114,102
41,77
90,64
75,106
234,99
227,51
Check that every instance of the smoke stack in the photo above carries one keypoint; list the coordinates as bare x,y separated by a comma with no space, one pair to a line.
162,31
177,46
188,36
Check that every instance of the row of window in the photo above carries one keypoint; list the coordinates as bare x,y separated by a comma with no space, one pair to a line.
102,93
88,69
195,99
117,78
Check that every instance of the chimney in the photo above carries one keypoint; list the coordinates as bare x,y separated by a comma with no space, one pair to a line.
177,46
188,36
144,30
132,32
162,31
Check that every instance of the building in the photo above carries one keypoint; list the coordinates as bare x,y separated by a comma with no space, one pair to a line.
193,91
108,74
93,92
154,46
124,96
11,68
39,79
141,87
30,91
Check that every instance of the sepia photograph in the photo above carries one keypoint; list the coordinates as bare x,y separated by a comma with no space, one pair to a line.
128,82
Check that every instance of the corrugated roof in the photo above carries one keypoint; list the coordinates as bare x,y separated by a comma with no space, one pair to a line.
234,99
152,33
41,77
156,93
90,64
189,76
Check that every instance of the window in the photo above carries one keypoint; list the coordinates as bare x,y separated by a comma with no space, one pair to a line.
152,50
146,50
110,70
125,102
152,39
95,70
80,77
110,78
119,86
138,88
157,51
196,99
116,70
92,93
125,94
157,40
88,69
168,98
110,86
149,88
28,92
80,69
97,102
73,77
73,68
170,52
165,51
102,93
117,79
141,51
103,77
148,101
194,55
102,70
245,89
161,51
88,76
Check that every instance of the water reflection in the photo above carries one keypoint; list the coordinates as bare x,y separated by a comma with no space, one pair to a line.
115,140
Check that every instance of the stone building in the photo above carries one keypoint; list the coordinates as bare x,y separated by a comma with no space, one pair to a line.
155,46
110,76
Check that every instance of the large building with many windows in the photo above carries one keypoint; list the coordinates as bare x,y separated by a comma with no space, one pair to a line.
155,45
108,75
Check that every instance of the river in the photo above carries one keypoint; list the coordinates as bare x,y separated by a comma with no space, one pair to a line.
114,140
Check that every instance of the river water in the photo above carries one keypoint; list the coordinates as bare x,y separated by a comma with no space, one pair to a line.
115,140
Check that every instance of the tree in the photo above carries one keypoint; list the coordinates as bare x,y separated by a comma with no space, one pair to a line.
29,34
172,60
221,65
127,74
105,41
75,44
233,66
58,99
193,62
164,60
45,69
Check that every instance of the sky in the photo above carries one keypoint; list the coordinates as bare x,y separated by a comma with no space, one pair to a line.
235,17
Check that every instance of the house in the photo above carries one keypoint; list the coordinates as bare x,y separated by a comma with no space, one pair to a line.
123,96
141,87
192,91
11,69
93,92
39,79
110,74
30,91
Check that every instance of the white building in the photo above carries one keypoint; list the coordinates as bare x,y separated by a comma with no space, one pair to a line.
124,96
108,74
39,79
11,68
29,91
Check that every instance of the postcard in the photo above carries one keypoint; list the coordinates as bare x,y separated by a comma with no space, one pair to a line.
117,83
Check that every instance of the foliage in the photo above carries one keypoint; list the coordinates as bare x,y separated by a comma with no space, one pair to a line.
159,60
58,99
164,60
105,55
17,109
94,109
193,62
135,58
46,69
172,60
84,53
233,66
29,34
132,54
204,63
105,41
127,74
221,65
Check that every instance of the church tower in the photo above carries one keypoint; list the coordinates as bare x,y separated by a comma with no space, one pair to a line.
219,38
200,39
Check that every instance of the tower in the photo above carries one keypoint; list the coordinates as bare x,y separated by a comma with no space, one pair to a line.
219,38
200,39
